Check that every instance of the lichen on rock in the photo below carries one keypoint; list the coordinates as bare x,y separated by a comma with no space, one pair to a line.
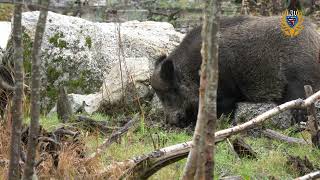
80,54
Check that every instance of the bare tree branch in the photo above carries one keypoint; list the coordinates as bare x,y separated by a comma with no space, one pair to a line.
309,176
35,94
15,145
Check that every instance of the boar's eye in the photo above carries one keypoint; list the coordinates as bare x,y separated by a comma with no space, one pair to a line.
167,71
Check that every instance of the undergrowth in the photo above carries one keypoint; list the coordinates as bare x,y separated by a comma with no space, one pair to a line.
270,164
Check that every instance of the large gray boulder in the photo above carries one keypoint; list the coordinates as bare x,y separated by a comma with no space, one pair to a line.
127,83
82,55
5,30
82,103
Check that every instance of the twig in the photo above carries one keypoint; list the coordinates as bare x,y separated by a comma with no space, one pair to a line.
100,125
232,149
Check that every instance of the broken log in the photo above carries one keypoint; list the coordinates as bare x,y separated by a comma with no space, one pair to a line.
146,165
278,136
313,175
243,149
95,125
62,132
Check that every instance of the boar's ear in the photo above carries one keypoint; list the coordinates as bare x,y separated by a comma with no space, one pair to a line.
160,59
167,70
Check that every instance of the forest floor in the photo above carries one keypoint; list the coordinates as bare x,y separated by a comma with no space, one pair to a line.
271,162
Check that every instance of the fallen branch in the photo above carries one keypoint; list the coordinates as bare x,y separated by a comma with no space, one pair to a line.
243,149
96,125
62,131
146,165
278,136
48,139
312,175
114,136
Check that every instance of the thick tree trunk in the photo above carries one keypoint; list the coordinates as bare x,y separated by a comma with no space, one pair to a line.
15,147
200,161
35,93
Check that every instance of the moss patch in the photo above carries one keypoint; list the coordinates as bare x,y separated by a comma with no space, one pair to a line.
88,42
57,41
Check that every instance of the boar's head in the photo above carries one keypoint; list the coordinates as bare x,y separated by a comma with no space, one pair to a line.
178,95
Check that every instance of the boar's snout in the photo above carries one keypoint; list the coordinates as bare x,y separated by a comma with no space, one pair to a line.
182,118
177,119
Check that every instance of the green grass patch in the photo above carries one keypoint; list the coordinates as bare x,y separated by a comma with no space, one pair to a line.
271,161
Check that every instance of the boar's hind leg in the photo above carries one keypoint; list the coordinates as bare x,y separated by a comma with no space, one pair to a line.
226,106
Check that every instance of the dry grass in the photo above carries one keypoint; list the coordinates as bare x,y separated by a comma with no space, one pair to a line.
4,149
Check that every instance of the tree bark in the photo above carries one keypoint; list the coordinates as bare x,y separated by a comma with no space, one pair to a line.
15,145
213,18
35,93
200,161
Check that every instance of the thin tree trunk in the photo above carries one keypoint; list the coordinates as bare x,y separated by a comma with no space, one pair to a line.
35,93
200,160
213,19
15,147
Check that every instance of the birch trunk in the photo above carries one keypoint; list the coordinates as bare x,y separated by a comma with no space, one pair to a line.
15,145
200,160
35,93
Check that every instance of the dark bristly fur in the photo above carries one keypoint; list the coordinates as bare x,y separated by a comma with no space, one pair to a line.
257,63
